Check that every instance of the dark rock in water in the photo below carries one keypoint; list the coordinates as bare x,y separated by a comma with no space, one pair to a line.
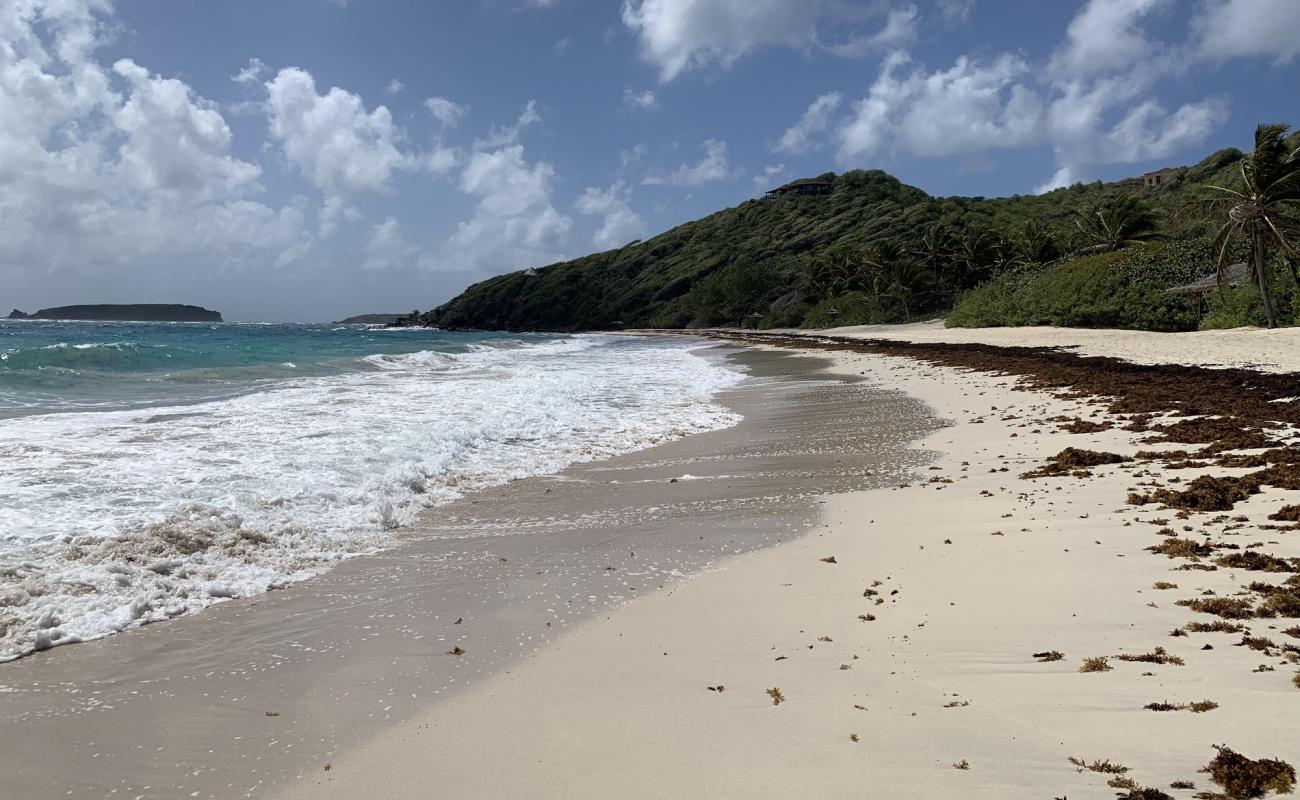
145,312
371,319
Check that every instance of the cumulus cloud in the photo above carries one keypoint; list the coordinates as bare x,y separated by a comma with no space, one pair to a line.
1233,28
713,167
765,179
632,155
969,107
337,144
387,249
118,168
394,86
677,35
1105,36
644,99
502,135
800,137
955,12
619,224
446,111
176,143
899,29
514,224
1093,116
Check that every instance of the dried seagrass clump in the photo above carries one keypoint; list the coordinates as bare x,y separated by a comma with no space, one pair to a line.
1243,777
1072,460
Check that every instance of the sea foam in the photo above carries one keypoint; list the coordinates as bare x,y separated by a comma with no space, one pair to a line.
112,519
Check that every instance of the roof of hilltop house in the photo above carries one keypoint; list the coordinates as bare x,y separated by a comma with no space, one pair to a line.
804,186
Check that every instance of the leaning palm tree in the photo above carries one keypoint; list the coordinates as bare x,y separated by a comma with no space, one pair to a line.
978,255
1262,209
1033,243
1128,220
906,281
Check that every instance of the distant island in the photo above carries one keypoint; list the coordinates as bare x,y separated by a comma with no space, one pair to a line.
371,319
144,312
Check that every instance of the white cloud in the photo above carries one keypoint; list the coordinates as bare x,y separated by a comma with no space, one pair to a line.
1230,28
632,155
1105,36
713,167
501,136
176,144
967,108
395,86
768,176
445,111
118,168
899,29
1145,132
337,144
620,224
803,135
644,99
251,73
955,12
677,35
388,249
515,225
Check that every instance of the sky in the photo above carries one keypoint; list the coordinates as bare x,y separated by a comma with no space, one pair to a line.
305,160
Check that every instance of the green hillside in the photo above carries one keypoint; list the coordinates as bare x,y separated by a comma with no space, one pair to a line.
877,250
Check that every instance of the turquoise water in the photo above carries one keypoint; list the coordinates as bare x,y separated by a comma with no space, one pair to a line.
74,366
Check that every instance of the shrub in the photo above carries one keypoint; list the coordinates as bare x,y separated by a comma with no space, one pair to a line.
1099,291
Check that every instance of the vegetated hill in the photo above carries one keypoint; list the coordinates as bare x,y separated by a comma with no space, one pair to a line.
144,312
371,319
873,250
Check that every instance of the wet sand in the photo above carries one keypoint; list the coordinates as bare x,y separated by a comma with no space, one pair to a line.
251,694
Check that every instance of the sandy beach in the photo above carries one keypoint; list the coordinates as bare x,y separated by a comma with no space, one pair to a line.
253,693
966,634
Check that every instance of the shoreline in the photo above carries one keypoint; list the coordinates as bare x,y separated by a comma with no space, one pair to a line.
940,680
251,693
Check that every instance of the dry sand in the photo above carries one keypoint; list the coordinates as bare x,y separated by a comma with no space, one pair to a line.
1251,348
971,578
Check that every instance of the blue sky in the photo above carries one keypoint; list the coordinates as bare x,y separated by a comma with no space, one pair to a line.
309,159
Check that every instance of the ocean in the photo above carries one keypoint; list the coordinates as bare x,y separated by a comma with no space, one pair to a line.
152,469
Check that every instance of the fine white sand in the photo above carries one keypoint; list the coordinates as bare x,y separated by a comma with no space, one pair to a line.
1255,348
975,575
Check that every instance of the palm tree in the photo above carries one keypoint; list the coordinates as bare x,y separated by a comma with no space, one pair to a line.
1033,243
1262,210
936,250
816,280
979,252
1128,220
905,280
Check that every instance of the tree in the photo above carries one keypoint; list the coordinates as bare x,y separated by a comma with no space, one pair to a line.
979,253
1128,220
1262,209
906,281
1033,243
936,251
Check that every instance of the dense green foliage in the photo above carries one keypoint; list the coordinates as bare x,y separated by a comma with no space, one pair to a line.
876,250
